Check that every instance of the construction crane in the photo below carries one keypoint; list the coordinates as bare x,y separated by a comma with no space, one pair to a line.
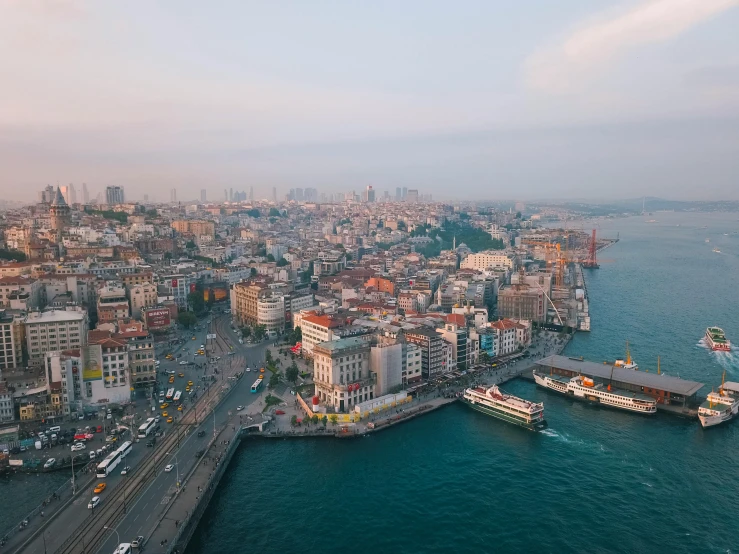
591,262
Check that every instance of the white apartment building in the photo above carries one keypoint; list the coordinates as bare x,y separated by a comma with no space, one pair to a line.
485,260
506,331
271,312
55,330
341,373
6,404
318,328
412,369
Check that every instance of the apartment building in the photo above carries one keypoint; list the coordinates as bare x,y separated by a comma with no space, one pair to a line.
341,373
141,358
486,260
432,350
319,328
456,337
197,227
522,302
506,331
7,413
55,330
142,296
11,347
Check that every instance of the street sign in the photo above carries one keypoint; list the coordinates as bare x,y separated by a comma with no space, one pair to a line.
211,336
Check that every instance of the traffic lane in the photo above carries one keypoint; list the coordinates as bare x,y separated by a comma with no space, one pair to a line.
142,514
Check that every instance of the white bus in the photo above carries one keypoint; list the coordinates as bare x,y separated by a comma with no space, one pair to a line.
109,464
147,428
125,448
177,396
256,386
170,394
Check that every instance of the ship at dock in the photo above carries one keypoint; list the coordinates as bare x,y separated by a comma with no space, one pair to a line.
720,406
716,340
493,402
584,388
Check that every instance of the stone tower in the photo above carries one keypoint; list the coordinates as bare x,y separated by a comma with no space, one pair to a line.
59,212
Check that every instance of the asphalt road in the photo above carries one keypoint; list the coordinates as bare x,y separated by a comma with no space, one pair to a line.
143,514
146,507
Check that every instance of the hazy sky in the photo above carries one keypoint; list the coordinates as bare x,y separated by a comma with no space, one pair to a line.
467,99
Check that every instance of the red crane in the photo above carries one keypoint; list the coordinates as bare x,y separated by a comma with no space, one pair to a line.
591,262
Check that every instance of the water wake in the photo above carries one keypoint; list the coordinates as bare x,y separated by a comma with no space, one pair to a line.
727,360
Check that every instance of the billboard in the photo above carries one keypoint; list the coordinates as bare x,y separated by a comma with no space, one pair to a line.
157,318
92,370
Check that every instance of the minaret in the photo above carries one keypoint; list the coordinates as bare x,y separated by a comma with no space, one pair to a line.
59,212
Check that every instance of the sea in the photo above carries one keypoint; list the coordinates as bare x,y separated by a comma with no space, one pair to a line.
596,481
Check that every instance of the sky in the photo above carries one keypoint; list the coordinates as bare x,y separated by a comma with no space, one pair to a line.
466,100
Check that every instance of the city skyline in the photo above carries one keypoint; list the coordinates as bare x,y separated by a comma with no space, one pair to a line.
604,100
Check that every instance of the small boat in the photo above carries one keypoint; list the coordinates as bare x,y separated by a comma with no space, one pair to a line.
717,251
708,240
628,363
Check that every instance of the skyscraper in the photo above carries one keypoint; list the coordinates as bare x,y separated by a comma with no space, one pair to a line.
173,195
69,194
230,194
274,194
412,196
397,194
85,194
299,195
251,194
405,193
369,194
203,195
225,195
114,195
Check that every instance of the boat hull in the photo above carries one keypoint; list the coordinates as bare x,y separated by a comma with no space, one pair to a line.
538,426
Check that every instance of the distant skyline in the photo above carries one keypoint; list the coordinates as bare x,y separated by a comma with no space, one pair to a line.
484,99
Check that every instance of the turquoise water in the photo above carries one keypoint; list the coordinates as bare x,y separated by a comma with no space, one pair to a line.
596,481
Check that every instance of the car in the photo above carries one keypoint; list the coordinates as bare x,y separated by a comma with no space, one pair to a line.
179,408
99,428
199,453
187,389
138,542
248,369
181,374
78,446
201,433
125,470
158,363
202,346
109,416
183,362
193,338
156,419
164,414
49,463
168,468
189,383
151,443
164,405
100,488
170,419
239,408
94,501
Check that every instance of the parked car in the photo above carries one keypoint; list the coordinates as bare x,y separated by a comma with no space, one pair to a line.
49,463
78,446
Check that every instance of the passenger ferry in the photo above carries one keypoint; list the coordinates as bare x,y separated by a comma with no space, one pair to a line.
493,402
721,406
716,339
584,388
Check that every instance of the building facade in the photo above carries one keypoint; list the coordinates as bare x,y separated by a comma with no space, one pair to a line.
341,373
56,330
432,351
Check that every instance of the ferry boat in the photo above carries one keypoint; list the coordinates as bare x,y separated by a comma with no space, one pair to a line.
721,406
584,388
716,339
628,363
493,402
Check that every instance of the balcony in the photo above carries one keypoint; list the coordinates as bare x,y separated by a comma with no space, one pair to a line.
366,382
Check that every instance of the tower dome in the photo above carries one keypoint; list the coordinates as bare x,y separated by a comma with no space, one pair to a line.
59,212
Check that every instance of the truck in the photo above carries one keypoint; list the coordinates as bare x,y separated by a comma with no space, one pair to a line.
38,445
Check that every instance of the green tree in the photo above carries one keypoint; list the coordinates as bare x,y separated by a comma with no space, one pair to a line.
292,372
268,356
274,212
324,419
484,357
260,331
14,255
187,319
294,421
196,302
274,379
282,262
191,245
402,226
246,331
297,334
253,271
152,213
270,258
314,420
334,419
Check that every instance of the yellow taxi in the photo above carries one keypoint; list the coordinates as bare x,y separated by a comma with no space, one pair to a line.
171,379
170,419
100,488
261,376
168,357
180,374
164,414
179,408
164,405
261,370
189,383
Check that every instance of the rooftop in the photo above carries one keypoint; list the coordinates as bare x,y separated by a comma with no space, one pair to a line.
342,344
663,382
54,316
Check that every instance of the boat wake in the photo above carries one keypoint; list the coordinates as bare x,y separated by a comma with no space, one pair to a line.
727,360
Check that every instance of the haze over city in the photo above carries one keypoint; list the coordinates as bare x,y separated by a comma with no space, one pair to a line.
594,99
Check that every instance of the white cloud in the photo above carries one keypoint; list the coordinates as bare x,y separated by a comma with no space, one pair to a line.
584,51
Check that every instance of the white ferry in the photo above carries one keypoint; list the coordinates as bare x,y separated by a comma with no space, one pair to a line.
584,388
493,402
716,339
721,406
